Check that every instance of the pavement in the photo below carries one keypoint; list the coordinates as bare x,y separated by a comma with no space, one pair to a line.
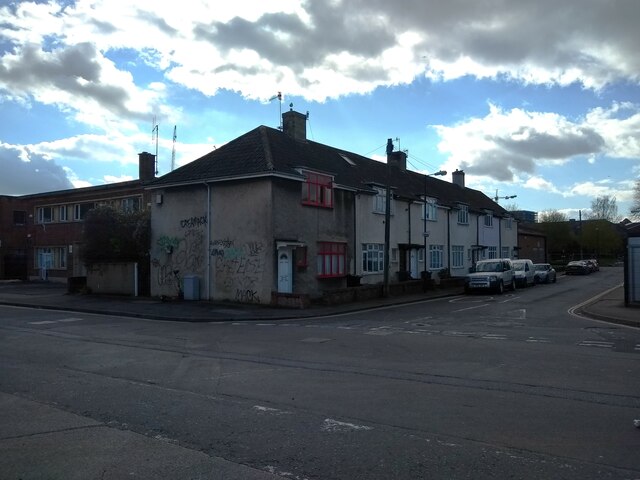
608,306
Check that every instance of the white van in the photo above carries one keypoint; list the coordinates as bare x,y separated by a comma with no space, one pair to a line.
524,271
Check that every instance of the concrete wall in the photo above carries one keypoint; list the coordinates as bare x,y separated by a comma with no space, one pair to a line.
112,278
178,239
465,235
309,225
241,243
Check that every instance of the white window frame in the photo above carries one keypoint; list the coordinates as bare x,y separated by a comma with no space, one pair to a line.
63,213
488,219
457,256
492,252
373,256
463,215
41,216
436,257
505,252
430,210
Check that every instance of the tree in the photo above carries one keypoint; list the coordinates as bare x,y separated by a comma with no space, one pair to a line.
549,216
112,235
635,206
604,208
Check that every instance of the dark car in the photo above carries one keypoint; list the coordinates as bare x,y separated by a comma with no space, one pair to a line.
578,267
544,273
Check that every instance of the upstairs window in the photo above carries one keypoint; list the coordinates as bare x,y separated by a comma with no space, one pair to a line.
80,210
463,214
508,222
331,260
430,210
131,204
44,214
62,213
488,220
317,190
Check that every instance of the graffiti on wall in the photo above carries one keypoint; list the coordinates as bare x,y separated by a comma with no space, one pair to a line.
184,255
239,268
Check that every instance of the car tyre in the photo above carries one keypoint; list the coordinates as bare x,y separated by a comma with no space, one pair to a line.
500,287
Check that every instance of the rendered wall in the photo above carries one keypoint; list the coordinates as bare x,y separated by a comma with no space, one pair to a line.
112,278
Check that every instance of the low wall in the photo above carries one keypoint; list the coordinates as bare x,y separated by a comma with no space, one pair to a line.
112,278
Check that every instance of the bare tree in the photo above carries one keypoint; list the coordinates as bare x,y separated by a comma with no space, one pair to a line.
635,206
604,208
549,216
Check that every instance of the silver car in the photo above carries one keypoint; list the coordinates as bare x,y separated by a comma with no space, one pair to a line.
544,273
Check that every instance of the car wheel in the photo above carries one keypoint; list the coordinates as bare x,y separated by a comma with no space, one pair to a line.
500,287
513,285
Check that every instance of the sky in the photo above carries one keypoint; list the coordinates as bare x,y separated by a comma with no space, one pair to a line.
535,99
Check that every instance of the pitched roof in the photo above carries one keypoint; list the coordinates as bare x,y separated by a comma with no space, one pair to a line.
267,151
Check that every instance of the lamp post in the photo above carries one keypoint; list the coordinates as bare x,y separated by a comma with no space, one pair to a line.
425,234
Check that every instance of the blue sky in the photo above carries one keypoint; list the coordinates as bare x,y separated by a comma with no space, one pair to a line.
535,99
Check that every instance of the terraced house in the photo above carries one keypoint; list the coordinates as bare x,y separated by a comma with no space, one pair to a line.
273,215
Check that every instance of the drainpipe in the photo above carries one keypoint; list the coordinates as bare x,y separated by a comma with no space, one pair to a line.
209,226
449,240
355,234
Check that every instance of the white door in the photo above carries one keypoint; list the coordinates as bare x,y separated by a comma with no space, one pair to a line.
413,263
285,282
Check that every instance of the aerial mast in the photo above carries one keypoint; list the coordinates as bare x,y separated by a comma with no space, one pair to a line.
173,151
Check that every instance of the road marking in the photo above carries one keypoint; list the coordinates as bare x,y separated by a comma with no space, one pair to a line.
274,411
494,336
471,308
538,340
595,343
330,425
453,333
62,320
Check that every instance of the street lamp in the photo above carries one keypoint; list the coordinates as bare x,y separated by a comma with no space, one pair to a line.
425,234
496,198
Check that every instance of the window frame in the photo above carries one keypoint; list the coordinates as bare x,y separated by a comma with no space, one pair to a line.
488,220
334,256
463,214
436,257
492,252
430,210
457,256
373,255
317,190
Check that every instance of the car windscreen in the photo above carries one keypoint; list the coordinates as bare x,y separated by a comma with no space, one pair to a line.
518,267
489,267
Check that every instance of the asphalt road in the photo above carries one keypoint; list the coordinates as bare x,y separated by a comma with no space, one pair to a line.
512,386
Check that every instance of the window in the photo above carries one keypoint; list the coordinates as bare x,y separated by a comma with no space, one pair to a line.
51,258
45,214
373,257
488,220
457,256
430,210
131,204
436,256
505,252
492,252
508,222
317,190
380,201
19,217
463,214
332,258
80,210
62,213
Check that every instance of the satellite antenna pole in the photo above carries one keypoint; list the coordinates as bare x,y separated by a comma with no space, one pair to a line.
173,152
154,136
279,97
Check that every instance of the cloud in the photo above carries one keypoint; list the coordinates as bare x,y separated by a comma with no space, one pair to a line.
30,172
311,49
505,144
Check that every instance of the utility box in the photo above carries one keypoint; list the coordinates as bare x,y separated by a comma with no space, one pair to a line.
191,287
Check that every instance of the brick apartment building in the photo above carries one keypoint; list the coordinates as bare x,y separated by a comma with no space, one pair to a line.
40,234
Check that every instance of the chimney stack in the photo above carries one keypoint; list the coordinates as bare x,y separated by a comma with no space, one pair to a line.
294,124
398,160
146,166
458,178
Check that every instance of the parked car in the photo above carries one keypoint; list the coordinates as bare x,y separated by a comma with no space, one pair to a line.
593,264
525,273
577,267
492,275
544,273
